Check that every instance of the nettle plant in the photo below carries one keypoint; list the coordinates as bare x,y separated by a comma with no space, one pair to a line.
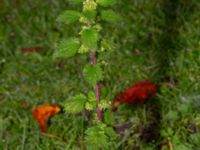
90,42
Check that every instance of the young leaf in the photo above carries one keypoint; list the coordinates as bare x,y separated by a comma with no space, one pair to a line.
97,27
89,5
90,38
106,3
104,104
67,48
69,16
91,103
109,16
76,104
93,74
83,49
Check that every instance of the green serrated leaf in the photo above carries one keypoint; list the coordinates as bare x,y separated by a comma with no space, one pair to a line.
67,48
108,117
95,138
93,74
106,3
69,16
90,38
110,16
111,133
76,104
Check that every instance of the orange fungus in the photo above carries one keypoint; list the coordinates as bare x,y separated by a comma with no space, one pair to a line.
42,113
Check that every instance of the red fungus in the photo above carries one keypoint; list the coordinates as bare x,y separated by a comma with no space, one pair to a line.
137,93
